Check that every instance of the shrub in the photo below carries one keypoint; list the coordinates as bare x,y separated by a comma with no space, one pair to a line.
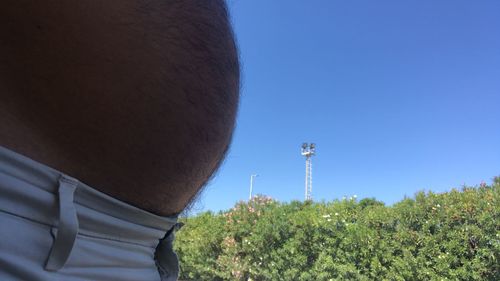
447,236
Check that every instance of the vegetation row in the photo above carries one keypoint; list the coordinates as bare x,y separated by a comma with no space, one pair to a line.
446,236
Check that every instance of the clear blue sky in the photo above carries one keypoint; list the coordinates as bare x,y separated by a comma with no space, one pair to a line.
399,96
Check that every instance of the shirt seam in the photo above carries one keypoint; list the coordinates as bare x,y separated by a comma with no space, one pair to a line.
110,238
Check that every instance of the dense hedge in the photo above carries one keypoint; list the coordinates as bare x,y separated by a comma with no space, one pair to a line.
447,236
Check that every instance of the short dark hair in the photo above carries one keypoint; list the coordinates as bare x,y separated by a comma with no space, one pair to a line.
210,59
138,98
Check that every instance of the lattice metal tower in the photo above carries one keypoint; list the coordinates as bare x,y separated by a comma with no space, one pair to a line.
308,150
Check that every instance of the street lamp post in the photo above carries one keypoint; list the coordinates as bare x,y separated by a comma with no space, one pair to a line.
252,177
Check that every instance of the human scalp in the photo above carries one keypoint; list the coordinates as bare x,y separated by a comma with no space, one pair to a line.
138,98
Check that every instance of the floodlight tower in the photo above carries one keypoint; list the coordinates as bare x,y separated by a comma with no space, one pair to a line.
308,150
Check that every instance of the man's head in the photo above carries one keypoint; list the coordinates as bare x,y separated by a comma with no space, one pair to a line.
136,98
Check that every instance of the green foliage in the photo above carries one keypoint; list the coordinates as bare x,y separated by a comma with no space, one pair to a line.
447,236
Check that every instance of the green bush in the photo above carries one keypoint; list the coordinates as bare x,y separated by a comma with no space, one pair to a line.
447,236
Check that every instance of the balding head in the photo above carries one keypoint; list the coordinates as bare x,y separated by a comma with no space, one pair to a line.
136,98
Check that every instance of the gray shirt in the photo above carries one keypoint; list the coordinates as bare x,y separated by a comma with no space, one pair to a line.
53,227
